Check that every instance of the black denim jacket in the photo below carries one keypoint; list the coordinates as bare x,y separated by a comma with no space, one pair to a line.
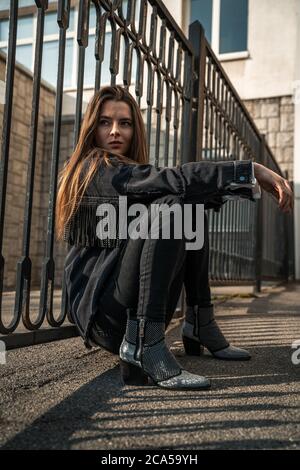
196,182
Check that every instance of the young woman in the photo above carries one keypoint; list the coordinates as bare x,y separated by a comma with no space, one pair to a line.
122,292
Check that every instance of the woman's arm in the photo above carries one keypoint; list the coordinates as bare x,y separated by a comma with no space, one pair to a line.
194,181
201,181
276,185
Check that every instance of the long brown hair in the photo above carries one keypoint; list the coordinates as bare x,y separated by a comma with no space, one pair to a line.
70,187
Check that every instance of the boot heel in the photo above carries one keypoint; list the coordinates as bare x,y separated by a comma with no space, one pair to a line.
132,375
192,347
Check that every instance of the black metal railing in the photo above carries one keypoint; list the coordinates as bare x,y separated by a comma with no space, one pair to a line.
191,112
248,241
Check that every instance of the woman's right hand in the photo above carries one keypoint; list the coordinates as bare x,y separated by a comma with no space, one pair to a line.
276,185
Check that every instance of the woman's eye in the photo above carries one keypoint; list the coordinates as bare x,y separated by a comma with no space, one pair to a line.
106,123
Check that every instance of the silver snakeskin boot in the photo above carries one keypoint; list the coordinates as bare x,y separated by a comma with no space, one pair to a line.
146,359
200,330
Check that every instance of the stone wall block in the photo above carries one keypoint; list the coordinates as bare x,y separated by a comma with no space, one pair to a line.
269,110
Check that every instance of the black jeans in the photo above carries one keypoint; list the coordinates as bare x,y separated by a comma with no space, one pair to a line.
148,278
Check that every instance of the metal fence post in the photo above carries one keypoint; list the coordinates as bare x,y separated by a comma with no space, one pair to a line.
259,226
286,263
197,38
292,240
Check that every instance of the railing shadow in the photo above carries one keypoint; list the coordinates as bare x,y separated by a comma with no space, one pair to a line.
258,397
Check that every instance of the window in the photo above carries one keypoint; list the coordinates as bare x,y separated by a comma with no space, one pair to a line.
50,49
24,55
26,41
25,27
3,30
5,4
225,23
202,10
25,31
50,62
25,48
233,26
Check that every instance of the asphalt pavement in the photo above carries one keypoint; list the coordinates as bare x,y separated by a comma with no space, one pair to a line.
62,396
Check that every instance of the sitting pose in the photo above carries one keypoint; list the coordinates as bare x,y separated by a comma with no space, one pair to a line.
123,291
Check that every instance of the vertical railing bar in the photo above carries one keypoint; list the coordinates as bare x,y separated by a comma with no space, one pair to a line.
175,125
149,102
22,300
158,107
99,46
168,119
187,109
127,62
259,227
197,38
48,267
139,79
82,40
5,146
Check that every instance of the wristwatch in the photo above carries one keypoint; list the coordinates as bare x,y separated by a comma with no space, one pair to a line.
244,184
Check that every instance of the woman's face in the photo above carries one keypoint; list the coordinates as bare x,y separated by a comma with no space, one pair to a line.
115,127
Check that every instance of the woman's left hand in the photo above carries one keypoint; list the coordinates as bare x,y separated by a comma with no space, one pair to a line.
276,185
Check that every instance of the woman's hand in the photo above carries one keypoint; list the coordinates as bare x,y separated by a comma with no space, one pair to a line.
276,185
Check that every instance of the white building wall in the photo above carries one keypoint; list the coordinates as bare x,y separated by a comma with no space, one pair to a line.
175,8
272,37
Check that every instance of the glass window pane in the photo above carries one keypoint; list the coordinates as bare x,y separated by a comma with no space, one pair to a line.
51,25
68,78
201,10
71,21
93,16
233,25
5,4
25,27
26,3
24,55
105,72
4,30
124,8
90,62
50,62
